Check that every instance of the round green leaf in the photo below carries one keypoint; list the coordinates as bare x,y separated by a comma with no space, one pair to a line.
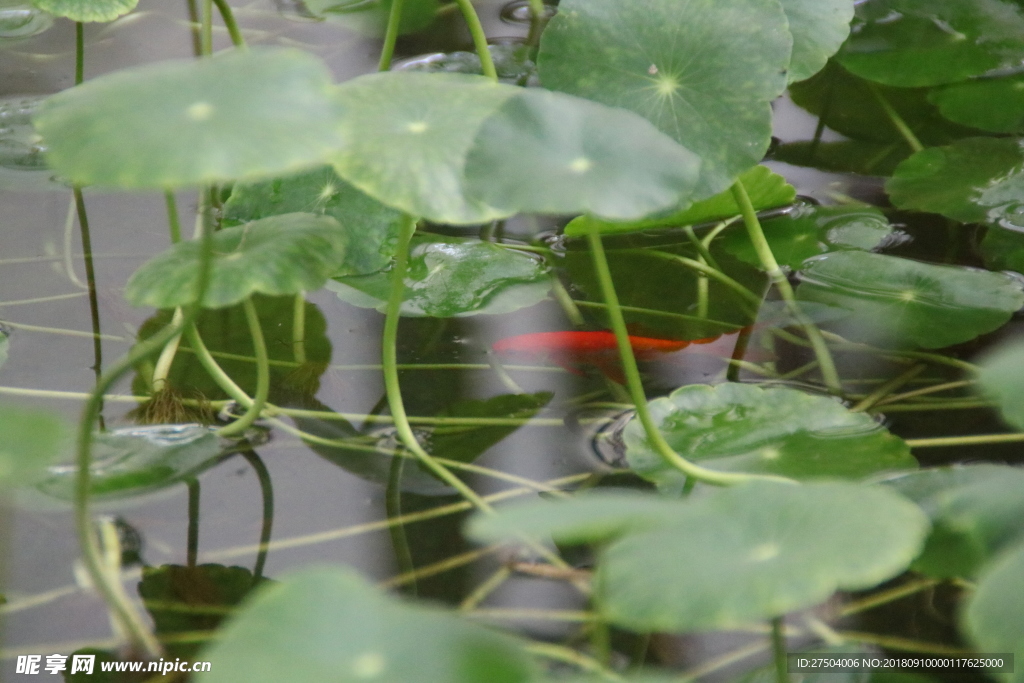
755,552
812,230
328,624
930,42
743,428
972,180
819,27
906,302
703,71
137,460
409,134
976,512
993,104
846,156
87,10
450,276
239,114
1002,379
573,155
371,227
1003,249
589,517
32,439
767,190
285,254
994,617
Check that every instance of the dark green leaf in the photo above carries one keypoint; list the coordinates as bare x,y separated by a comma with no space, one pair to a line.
136,460
285,254
930,42
757,551
240,114
1003,249
812,230
328,624
409,134
1002,378
846,156
370,17
704,71
993,104
87,10
976,512
973,180
371,227
819,27
994,618
31,440
743,428
450,276
573,155
767,190
902,302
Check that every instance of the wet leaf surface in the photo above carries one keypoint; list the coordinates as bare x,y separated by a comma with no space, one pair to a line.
901,302
238,115
285,254
753,552
451,276
994,617
819,27
1002,379
32,439
992,104
329,624
742,428
644,57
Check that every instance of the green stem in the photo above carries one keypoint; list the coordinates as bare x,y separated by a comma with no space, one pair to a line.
701,247
391,35
166,359
196,27
262,375
634,384
393,507
476,30
887,388
299,328
710,272
79,53
90,279
173,222
92,559
977,440
229,21
267,491
217,374
767,258
389,341
779,650
206,30
481,592
192,544
897,120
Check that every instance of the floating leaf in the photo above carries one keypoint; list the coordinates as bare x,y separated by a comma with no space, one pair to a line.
992,104
371,227
589,517
330,625
812,230
973,180
237,115
1003,249
286,254
994,617
573,155
370,17
819,27
87,10
846,156
704,71
1002,378
767,190
755,552
450,276
512,63
32,439
908,302
135,460
851,105
976,512
743,428
409,134
913,43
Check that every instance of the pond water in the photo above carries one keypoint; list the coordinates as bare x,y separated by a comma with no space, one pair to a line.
327,505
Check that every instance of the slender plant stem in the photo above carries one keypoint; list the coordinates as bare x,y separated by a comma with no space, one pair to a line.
196,27
888,387
701,247
897,120
229,21
262,374
393,507
710,272
779,650
206,30
299,328
391,35
163,364
481,592
445,565
389,361
79,53
476,30
560,653
267,493
767,258
90,279
634,384
947,386
976,440
192,545
129,619
173,221
215,371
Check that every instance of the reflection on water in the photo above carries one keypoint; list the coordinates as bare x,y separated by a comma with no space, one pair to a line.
20,19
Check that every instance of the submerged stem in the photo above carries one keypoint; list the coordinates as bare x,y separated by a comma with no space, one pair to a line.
897,120
779,650
476,30
390,35
259,401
